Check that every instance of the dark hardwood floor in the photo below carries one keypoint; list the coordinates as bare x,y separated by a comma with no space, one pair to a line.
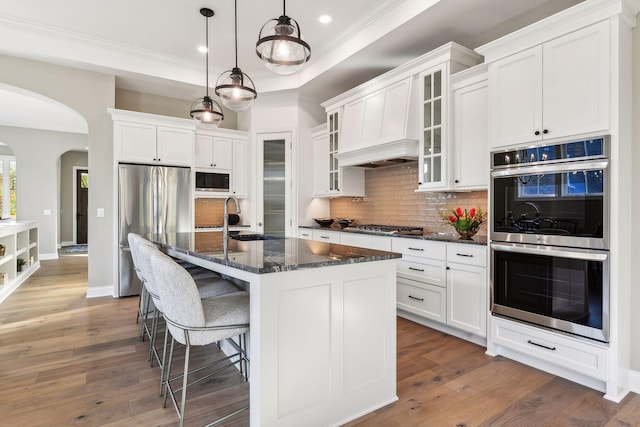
66,360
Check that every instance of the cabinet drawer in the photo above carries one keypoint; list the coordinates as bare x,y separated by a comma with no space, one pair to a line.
326,236
304,233
426,270
363,241
419,248
422,299
467,254
570,353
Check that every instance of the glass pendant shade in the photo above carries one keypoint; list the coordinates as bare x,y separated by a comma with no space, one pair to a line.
207,111
236,89
280,46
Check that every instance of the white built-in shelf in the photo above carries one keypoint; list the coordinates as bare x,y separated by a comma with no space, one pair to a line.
5,259
32,245
21,251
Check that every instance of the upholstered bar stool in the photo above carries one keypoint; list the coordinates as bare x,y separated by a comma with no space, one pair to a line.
143,301
195,322
207,288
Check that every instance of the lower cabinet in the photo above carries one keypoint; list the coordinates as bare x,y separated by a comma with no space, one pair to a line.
445,283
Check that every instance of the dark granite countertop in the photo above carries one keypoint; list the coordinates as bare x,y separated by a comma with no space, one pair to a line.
266,256
452,237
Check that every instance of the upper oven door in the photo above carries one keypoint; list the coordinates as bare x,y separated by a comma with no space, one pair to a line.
563,204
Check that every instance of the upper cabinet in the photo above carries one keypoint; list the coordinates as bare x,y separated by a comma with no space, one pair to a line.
240,171
213,152
470,138
151,139
560,88
329,180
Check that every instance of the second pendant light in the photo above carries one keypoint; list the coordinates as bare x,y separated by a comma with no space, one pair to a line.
235,88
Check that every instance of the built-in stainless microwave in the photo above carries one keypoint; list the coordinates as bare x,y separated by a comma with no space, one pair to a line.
212,181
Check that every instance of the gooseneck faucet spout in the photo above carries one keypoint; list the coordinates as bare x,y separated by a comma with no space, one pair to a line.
225,223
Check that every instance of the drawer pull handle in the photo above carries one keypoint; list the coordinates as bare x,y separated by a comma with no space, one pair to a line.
415,298
416,249
416,269
541,345
324,237
466,255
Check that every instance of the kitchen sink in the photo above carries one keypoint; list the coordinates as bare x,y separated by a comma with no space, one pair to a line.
252,237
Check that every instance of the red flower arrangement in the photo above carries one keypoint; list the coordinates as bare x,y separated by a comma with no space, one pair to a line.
466,222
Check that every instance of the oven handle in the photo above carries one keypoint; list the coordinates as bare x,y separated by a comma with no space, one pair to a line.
572,253
551,168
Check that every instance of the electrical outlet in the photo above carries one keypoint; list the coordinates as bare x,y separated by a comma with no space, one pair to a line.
100,213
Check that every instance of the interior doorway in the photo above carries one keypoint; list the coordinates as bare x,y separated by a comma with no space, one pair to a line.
81,187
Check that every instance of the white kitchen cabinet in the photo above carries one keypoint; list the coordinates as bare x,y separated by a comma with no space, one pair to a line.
444,282
432,165
144,143
330,180
380,243
327,236
213,152
560,88
305,233
152,139
470,139
240,171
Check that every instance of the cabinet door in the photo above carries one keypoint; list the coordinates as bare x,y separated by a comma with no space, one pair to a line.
515,98
222,153
136,142
467,304
471,137
203,151
432,164
175,146
240,172
576,79
352,120
320,165
396,103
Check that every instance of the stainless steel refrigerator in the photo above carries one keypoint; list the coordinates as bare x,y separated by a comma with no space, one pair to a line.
152,199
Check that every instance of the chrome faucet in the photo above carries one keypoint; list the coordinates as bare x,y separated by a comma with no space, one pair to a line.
225,223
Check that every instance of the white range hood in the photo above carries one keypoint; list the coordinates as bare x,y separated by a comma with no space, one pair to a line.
380,155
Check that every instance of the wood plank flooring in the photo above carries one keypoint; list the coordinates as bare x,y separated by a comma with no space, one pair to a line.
68,360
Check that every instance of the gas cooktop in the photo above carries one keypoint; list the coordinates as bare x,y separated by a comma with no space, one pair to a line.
387,229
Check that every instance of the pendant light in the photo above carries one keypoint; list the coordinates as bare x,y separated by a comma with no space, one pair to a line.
205,110
281,48
235,88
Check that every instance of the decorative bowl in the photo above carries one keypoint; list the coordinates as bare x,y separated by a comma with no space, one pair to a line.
467,234
324,222
344,222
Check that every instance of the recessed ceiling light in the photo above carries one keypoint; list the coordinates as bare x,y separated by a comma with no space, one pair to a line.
202,49
325,19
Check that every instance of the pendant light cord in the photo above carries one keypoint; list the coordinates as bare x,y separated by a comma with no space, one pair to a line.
235,12
284,7
207,54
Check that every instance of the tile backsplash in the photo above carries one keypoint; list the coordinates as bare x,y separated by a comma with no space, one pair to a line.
391,200
209,212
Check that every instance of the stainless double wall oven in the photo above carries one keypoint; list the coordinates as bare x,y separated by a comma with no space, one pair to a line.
550,236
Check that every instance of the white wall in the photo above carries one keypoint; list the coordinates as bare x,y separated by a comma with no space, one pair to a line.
635,206
37,178
90,94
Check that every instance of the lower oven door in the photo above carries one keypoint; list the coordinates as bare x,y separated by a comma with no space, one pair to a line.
561,288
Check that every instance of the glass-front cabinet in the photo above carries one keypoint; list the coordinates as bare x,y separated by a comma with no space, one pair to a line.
433,87
334,137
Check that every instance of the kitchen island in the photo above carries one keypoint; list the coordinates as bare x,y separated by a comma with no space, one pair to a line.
322,341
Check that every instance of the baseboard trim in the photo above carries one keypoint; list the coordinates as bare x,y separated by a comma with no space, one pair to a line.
634,381
100,291
48,256
63,244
